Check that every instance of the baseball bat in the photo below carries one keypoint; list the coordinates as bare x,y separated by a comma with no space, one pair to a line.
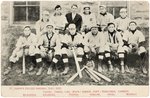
91,75
74,76
101,75
77,64
23,62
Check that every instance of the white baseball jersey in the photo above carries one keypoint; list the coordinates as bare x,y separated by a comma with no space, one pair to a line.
122,24
47,40
94,40
88,20
57,40
30,40
78,39
104,20
135,38
113,39
40,26
59,21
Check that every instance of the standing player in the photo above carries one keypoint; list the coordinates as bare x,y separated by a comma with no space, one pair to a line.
73,39
114,44
74,17
40,25
94,43
134,42
104,17
59,20
89,19
123,21
26,43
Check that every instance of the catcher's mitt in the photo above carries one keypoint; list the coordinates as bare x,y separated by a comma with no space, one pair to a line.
90,64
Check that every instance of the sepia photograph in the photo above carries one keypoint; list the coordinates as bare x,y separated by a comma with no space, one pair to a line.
75,43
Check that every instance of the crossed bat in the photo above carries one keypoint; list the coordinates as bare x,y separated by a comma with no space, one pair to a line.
96,76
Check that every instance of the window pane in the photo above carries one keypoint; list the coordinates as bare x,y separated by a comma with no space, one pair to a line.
33,3
117,11
110,10
114,3
33,13
19,2
19,13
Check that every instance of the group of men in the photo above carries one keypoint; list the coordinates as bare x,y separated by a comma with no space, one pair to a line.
91,37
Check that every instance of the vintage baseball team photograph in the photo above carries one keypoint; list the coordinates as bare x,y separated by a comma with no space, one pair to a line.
74,43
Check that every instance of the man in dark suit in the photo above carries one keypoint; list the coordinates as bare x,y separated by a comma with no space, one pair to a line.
74,17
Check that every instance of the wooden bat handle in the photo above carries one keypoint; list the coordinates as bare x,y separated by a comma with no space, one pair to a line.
77,64
23,62
91,75
74,76
102,76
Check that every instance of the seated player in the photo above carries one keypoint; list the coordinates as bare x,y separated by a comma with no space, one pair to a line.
56,42
114,44
94,43
134,42
46,48
72,39
27,44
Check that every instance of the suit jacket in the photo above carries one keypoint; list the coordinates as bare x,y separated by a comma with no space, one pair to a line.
77,20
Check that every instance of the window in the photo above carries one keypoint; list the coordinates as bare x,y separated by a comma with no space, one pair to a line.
114,11
26,11
114,7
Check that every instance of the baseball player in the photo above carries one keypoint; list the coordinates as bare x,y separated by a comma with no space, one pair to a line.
114,44
89,19
40,25
134,42
59,20
74,17
104,17
57,42
73,39
94,43
27,43
46,49
123,21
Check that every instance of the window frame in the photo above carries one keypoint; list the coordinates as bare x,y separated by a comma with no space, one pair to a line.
113,9
13,22
127,5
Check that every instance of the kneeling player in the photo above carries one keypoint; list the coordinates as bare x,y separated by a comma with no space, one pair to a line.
26,45
134,42
114,44
94,45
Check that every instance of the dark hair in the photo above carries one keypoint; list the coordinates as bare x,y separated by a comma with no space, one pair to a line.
133,22
57,6
74,5
111,23
27,27
86,7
